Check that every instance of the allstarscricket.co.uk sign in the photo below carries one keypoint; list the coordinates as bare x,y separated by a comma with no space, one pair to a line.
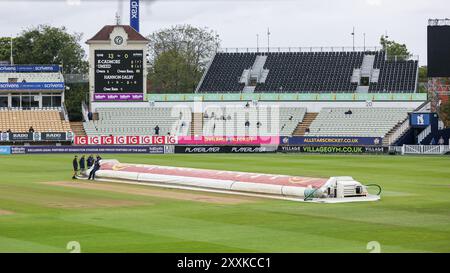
125,140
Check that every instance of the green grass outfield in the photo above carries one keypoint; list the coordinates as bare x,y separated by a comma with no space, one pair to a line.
413,215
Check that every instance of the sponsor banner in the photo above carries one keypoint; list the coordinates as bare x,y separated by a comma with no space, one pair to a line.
21,136
32,86
28,68
420,120
224,149
118,97
53,136
332,149
125,140
169,149
134,14
4,136
5,150
87,149
225,140
331,141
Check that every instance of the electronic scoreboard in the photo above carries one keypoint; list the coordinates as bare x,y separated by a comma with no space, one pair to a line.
119,75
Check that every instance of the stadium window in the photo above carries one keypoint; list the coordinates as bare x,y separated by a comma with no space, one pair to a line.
46,101
26,102
365,81
3,101
56,101
15,101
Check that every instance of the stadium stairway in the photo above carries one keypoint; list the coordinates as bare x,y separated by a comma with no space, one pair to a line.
77,128
197,124
306,122
391,132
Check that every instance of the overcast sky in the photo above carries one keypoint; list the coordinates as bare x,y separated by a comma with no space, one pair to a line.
292,23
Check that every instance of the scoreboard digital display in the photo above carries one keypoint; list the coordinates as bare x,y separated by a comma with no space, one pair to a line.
438,51
119,75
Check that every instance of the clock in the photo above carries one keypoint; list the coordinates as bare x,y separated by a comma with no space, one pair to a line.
118,40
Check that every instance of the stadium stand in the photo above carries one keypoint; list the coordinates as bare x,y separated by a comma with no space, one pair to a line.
243,121
309,72
395,76
225,71
38,104
41,120
139,121
362,122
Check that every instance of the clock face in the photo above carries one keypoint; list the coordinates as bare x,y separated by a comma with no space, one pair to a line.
118,40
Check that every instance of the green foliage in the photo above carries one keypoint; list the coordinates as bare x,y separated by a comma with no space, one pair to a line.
423,74
179,56
172,71
445,113
76,94
5,48
393,49
50,45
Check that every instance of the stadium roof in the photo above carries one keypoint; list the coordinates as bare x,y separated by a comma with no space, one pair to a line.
104,33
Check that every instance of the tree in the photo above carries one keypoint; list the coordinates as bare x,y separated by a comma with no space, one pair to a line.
173,73
394,49
184,50
444,113
5,48
51,45
47,45
423,74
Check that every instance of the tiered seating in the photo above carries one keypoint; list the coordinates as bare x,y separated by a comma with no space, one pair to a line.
395,76
363,122
262,121
140,121
311,71
19,121
225,71
31,77
308,72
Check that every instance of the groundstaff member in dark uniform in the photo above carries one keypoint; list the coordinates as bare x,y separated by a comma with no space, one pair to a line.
90,161
95,169
75,167
82,165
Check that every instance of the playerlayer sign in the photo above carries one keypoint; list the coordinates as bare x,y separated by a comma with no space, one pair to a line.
224,149
125,140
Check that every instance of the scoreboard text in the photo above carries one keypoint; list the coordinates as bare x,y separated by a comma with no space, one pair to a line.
119,71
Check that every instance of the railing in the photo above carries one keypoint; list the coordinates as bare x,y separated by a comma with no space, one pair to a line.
298,49
64,112
399,132
288,97
313,49
425,149
439,22
423,134
84,111
76,78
